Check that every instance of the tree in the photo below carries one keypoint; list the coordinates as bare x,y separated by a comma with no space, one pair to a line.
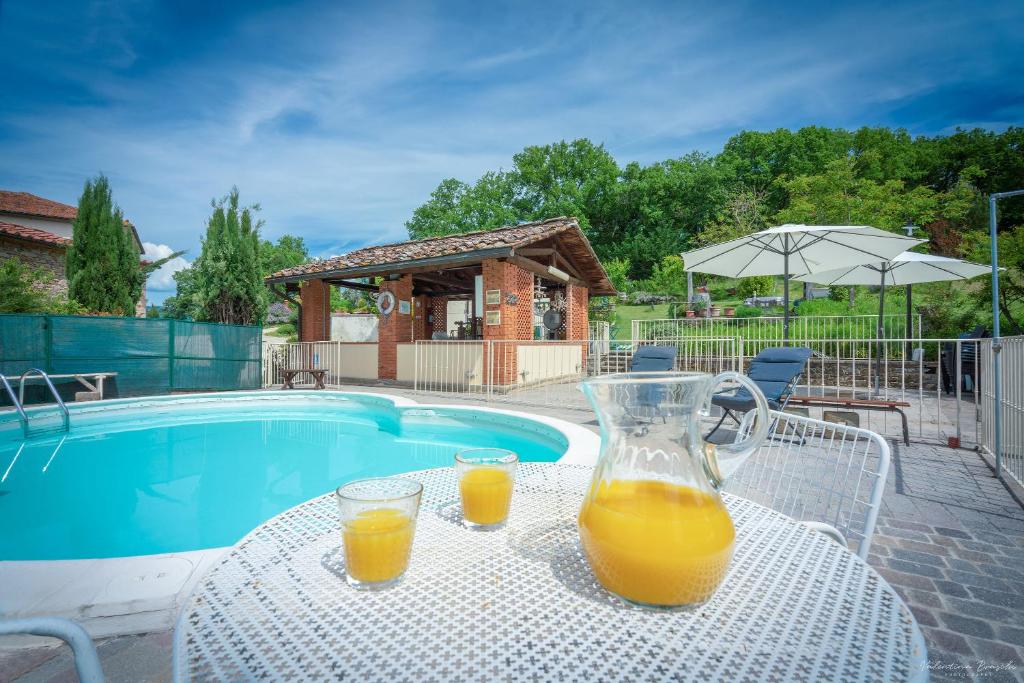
289,251
669,276
745,212
28,290
618,273
102,264
225,284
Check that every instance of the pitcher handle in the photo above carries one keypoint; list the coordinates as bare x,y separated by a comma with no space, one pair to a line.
722,461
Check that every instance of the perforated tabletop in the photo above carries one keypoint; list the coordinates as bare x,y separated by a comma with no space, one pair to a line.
521,604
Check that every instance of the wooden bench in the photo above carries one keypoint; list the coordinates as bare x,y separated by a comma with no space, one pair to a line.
318,374
94,389
884,405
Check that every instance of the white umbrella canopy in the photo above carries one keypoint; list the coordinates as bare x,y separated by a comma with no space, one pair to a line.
908,268
797,249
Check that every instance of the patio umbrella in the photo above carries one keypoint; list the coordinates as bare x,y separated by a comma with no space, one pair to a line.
797,249
908,268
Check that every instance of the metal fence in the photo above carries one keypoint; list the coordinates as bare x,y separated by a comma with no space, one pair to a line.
938,378
770,328
1011,406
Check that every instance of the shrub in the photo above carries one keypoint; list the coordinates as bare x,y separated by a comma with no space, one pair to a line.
839,293
760,285
748,312
278,312
648,299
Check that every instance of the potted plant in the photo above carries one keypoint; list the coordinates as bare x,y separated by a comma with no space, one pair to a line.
690,313
730,311
716,312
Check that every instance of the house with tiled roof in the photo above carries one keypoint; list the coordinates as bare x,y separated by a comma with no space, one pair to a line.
37,231
505,278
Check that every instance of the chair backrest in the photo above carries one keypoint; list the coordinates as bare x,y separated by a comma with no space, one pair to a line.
817,472
776,369
653,358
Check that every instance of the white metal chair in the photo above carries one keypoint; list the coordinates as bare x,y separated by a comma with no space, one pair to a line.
827,475
87,662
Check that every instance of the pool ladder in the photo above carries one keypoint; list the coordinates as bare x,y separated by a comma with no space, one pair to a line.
19,399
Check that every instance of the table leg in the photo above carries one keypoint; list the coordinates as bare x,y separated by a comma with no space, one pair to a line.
906,430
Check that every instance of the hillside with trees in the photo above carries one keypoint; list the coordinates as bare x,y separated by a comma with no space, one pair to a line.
637,215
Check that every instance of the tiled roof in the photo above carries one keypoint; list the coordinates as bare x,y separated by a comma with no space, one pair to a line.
31,205
467,243
32,235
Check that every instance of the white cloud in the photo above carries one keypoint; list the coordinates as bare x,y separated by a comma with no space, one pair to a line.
163,278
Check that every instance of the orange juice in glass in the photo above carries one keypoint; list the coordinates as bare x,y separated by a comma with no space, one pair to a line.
486,477
378,521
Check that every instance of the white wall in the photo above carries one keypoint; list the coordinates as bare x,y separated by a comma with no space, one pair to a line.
544,361
357,327
57,227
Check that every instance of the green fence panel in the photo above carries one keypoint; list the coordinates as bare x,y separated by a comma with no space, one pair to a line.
22,343
150,356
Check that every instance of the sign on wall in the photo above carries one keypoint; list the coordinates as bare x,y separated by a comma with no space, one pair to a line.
493,297
404,308
493,317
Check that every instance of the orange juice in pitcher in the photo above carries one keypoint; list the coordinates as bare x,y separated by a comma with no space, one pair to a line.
652,526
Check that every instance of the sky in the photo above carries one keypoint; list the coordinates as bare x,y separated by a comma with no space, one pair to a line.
340,118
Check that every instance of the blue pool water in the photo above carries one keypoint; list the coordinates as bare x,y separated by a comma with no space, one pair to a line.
181,475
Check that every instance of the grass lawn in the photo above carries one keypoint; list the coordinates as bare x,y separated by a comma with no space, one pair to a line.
624,315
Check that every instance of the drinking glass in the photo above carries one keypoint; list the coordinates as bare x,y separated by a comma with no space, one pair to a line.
486,476
378,520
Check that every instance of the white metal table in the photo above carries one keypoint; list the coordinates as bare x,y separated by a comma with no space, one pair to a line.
522,604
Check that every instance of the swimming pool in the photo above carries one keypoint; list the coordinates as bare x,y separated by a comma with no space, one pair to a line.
173,474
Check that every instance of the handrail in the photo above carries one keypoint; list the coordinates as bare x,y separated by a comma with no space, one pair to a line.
17,404
53,390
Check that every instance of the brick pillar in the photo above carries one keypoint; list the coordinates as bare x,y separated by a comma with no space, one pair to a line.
394,328
420,315
577,321
516,318
316,314
577,314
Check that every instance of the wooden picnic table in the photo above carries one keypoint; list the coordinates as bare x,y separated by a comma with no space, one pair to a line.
318,374
885,405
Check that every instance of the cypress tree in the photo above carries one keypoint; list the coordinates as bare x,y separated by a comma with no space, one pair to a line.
102,266
226,284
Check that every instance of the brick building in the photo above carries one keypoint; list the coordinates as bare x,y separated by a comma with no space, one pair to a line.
499,273
38,231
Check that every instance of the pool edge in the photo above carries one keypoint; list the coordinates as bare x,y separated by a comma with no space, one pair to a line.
143,593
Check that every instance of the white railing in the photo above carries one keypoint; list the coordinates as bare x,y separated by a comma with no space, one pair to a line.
343,360
1011,407
920,372
770,327
546,373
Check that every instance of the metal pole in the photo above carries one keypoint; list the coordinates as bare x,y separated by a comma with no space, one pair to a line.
785,290
879,333
997,383
909,329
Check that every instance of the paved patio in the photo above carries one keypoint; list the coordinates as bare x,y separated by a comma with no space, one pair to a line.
950,538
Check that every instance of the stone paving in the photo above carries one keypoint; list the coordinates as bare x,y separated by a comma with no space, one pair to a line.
950,539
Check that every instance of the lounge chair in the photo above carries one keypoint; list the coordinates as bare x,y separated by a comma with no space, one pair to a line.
653,359
775,371
644,405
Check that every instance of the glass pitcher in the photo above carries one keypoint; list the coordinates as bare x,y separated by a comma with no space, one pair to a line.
653,526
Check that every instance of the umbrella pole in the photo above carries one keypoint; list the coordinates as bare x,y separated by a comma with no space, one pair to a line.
910,319
785,290
879,334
